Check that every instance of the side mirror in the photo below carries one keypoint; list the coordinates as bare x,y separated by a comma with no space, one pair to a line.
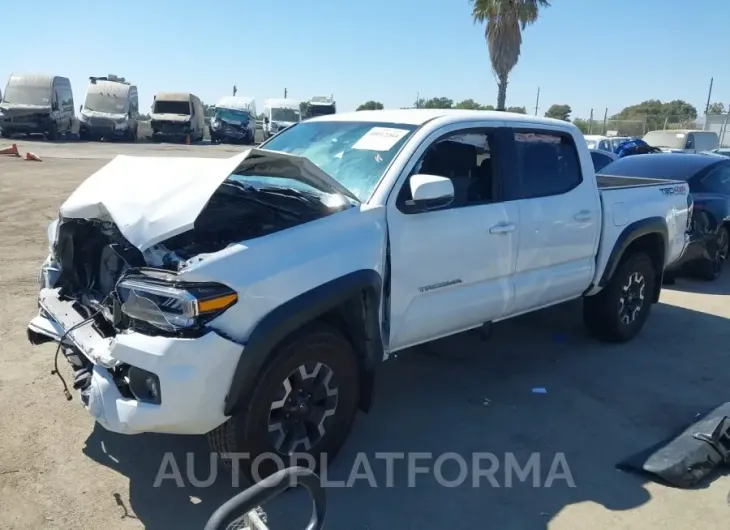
81,108
430,192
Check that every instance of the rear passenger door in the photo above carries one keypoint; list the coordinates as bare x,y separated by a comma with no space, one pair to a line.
560,218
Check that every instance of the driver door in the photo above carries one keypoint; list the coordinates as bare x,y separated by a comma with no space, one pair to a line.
452,269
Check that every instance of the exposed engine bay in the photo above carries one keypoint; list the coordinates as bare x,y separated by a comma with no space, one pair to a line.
93,255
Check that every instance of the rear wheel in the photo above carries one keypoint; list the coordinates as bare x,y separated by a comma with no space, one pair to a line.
52,133
304,404
619,311
711,269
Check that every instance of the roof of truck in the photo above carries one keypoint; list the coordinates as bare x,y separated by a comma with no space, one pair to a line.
421,116
282,103
112,88
174,96
235,102
39,80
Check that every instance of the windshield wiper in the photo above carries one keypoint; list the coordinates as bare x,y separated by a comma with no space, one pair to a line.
252,189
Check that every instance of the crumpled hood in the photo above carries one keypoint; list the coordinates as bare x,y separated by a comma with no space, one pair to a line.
151,199
170,117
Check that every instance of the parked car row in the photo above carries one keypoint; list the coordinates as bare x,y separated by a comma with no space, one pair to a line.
44,104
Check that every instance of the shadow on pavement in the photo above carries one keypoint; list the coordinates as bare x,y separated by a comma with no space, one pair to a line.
601,404
719,287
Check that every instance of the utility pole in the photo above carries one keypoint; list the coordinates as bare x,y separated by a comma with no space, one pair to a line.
235,89
590,123
537,101
418,99
709,95
666,120
605,119
285,93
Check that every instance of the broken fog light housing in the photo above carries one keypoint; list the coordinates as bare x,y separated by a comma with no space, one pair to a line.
144,385
171,306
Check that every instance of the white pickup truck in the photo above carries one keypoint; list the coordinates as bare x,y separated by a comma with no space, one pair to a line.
253,298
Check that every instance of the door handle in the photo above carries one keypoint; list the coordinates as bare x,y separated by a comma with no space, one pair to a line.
503,228
583,216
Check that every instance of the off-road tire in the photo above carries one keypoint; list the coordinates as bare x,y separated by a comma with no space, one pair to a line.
709,270
247,431
601,312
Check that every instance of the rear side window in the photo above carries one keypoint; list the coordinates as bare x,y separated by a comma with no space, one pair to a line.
547,163
718,181
600,160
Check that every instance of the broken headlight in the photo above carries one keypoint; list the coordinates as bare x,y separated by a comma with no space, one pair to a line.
173,306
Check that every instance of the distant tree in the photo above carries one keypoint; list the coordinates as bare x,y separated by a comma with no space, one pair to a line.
559,112
371,105
583,125
438,103
517,110
716,108
144,117
469,104
505,20
653,108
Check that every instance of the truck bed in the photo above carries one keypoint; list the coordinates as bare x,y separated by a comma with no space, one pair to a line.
609,182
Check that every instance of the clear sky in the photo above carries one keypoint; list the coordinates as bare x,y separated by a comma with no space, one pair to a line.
585,53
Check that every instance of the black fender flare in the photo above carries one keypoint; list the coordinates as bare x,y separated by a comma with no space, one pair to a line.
632,232
306,307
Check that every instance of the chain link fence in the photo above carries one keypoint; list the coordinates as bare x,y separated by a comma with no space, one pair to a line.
636,126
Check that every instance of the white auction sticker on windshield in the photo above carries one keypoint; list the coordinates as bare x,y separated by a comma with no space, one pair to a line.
380,139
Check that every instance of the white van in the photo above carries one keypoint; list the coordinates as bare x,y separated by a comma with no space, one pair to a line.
110,110
280,114
234,120
683,140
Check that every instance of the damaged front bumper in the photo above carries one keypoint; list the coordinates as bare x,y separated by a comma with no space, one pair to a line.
192,375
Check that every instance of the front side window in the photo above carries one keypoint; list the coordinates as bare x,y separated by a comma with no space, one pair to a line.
464,157
285,115
547,163
172,107
605,145
106,103
356,154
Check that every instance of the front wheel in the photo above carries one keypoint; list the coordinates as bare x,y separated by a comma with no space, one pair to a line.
301,409
619,311
710,269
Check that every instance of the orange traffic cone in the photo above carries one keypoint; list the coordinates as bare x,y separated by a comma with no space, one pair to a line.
187,140
10,151
33,156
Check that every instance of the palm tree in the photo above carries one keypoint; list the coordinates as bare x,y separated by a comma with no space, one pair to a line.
506,19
